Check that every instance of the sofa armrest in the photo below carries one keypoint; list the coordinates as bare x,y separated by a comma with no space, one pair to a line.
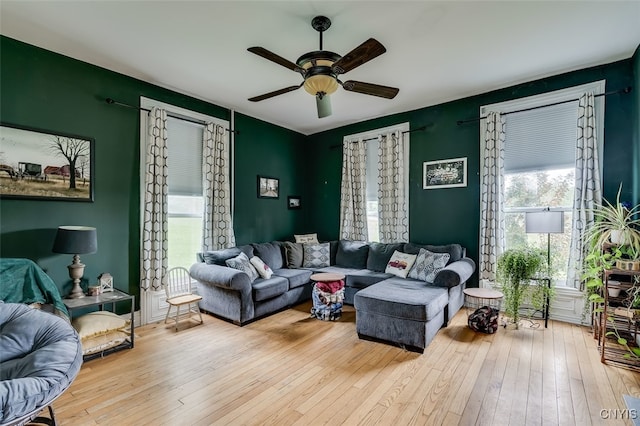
221,276
455,273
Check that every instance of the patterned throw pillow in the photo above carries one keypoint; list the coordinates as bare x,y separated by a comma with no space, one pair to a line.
400,264
263,269
428,264
316,255
241,263
306,238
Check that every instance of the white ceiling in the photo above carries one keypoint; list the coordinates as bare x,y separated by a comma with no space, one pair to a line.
436,51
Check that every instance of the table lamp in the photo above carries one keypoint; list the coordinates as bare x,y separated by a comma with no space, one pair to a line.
76,240
545,222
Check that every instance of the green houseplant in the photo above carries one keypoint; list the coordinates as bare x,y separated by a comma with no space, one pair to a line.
516,268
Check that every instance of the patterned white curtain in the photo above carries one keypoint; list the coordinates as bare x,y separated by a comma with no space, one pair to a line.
353,197
218,221
393,212
492,196
154,226
587,195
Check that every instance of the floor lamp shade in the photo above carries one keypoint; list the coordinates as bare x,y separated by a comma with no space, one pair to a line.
76,240
544,222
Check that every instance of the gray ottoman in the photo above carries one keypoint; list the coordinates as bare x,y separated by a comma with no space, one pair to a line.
400,311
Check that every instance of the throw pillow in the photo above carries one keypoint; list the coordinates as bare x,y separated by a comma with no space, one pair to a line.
294,254
241,262
427,265
306,238
270,253
379,255
352,254
218,257
316,255
400,264
98,323
263,269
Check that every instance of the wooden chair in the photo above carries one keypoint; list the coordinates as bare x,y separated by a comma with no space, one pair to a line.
178,289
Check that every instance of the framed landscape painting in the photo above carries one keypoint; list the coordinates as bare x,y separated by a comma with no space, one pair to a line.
38,165
450,173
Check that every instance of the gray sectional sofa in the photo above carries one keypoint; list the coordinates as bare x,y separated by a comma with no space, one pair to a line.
402,311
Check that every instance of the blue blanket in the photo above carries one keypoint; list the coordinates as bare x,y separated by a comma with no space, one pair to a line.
22,281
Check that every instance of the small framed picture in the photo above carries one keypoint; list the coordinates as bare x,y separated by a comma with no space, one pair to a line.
268,187
450,173
293,202
106,282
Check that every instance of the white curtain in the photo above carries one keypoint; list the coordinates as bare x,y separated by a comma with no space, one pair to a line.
587,195
492,196
393,212
154,226
218,220
353,197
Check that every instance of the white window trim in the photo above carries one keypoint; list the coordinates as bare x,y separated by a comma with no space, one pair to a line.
153,305
568,303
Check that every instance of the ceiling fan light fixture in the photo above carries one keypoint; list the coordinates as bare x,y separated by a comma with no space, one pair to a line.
320,83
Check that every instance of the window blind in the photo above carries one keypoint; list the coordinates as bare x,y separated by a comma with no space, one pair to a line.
184,145
541,139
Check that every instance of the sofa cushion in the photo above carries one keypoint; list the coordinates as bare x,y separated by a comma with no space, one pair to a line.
219,257
352,254
270,253
333,249
379,255
296,277
364,278
400,264
427,265
402,298
456,252
316,255
262,268
266,289
293,254
241,263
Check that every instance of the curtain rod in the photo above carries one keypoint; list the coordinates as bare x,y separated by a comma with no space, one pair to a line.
190,120
418,129
625,90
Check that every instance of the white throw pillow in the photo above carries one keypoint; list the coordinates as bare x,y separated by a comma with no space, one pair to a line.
306,238
427,265
241,262
400,264
263,269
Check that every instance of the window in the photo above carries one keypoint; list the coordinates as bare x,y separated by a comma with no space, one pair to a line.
372,144
539,166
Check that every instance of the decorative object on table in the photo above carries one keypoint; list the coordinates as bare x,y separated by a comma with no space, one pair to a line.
294,202
106,282
94,290
76,240
545,222
516,268
40,165
268,187
450,173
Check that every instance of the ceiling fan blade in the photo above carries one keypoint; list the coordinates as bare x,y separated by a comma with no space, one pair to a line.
261,51
370,89
364,53
274,93
323,103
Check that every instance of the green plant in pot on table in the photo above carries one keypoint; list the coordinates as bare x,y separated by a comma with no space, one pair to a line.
516,268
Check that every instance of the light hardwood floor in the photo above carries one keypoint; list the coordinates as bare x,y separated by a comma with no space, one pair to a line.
289,369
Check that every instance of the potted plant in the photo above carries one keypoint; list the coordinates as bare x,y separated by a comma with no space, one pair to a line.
516,268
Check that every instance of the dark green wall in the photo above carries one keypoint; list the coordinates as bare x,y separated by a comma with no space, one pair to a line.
44,90
452,215
636,126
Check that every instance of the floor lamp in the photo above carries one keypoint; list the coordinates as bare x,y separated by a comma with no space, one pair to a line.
545,222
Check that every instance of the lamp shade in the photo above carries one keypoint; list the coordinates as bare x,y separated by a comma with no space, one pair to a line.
75,240
544,222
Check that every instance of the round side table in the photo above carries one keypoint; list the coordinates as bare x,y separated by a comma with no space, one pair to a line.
475,298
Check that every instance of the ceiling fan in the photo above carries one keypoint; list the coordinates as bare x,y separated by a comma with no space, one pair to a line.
320,70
